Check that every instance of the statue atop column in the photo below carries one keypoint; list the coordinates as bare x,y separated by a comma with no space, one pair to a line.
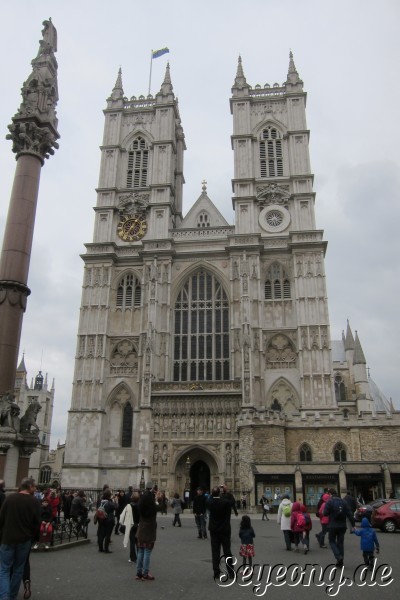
34,126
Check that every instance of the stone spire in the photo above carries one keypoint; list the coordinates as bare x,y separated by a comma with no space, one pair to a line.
21,367
166,86
118,91
293,76
358,358
34,127
349,342
240,80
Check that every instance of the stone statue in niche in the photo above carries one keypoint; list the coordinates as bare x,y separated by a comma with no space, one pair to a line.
191,423
165,454
155,454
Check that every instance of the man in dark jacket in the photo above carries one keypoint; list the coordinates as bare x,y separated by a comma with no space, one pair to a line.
199,511
220,531
19,525
337,510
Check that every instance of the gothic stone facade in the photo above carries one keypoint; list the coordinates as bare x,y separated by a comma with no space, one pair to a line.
204,350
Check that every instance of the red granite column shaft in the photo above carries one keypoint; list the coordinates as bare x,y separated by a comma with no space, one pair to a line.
14,263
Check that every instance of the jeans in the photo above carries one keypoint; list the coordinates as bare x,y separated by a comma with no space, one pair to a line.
143,561
12,556
336,542
201,525
132,543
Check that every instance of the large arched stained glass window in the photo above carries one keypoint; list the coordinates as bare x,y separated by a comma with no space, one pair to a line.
201,339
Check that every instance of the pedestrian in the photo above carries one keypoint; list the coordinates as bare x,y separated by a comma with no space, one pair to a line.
220,508
46,528
199,511
129,519
283,518
337,511
298,526
122,501
265,507
320,502
19,525
324,520
247,535
105,526
308,528
79,511
244,502
368,543
176,505
148,506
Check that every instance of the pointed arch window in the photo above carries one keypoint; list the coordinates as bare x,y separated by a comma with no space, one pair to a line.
305,454
277,284
340,389
339,452
201,336
271,154
127,426
138,163
129,292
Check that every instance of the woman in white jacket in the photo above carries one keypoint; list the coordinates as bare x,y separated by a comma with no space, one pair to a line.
284,515
130,519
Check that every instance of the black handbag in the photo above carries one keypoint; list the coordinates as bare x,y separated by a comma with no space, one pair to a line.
122,528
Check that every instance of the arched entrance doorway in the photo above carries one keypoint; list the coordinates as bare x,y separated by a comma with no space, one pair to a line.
199,476
195,467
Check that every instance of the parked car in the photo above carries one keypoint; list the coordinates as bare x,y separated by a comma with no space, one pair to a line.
387,516
366,510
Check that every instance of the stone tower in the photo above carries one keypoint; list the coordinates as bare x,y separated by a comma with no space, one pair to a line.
139,196
274,202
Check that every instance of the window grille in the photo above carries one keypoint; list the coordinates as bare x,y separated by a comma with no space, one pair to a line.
129,292
138,161
127,426
271,153
277,284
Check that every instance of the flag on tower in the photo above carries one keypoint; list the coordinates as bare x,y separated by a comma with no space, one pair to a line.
157,53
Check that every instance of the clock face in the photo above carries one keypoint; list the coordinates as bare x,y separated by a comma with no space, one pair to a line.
132,228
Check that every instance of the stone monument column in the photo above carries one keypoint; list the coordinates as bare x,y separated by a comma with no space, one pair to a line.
34,135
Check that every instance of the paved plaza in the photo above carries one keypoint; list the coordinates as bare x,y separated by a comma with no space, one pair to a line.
181,564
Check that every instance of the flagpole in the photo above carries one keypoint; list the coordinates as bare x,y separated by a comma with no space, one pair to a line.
151,65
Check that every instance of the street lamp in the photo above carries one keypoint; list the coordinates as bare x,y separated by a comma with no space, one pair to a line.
142,484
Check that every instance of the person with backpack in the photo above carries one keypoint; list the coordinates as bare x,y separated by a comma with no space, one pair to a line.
298,525
324,520
337,510
105,517
283,518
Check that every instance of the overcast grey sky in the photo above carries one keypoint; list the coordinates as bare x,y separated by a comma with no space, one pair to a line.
347,54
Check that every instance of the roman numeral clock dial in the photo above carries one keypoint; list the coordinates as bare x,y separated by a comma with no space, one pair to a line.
132,228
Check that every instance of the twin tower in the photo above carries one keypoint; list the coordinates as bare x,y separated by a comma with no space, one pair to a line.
204,350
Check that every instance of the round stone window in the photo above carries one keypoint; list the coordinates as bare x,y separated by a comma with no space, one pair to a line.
274,218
